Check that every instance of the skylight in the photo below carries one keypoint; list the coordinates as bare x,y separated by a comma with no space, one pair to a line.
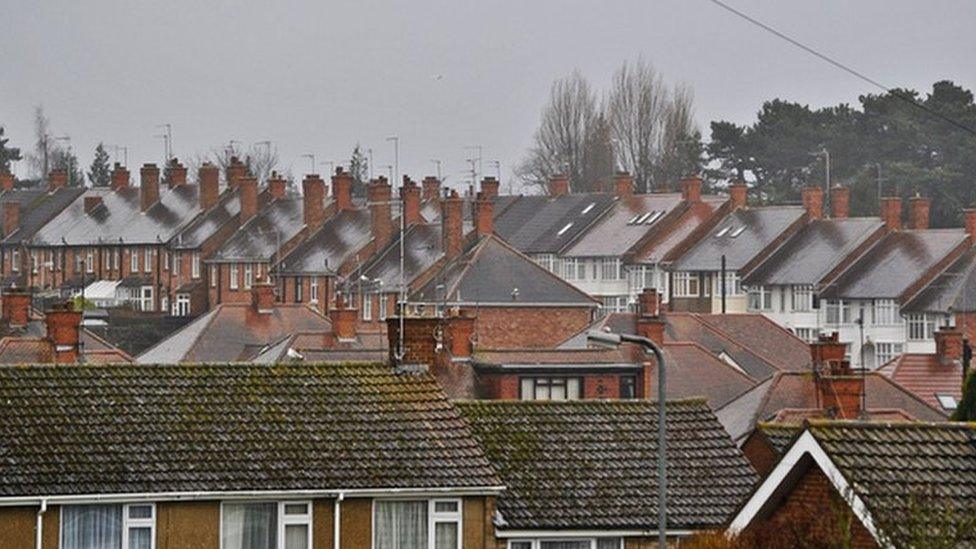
588,208
724,231
633,219
738,231
653,218
948,402
564,229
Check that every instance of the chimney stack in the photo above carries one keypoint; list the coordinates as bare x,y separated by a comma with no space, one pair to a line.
16,307
176,173
489,186
813,202
452,225
623,184
6,181
63,327
236,170
278,186
839,390
57,179
120,177
691,188
483,214
650,323
918,208
431,187
421,342
342,189
948,345
148,186
11,217
344,318
827,353
262,296
891,212
840,202
313,200
410,195
378,196
559,185
92,203
209,178
739,194
249,197
969,215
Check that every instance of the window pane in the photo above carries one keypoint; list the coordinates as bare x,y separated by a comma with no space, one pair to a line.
520,545
446,535
445,506
296,536
140,511
528,390
608,543
581,544
296,508
140,537
250,525
401,525
573,388
91,527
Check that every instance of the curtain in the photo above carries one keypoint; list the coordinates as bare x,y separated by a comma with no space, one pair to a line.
140,538
296,536
401,525
445,535
91,527
583,544
250,525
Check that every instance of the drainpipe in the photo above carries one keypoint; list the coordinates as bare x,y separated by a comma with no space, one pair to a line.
336,518
39,535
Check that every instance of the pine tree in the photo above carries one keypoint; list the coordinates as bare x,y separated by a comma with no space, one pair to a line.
8,155
359,169
99,174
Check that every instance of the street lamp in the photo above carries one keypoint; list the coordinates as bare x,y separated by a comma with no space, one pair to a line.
608,338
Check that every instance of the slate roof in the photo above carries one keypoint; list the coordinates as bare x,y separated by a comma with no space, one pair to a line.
229,427
120,217
927,375
422,249
209,222
741,236
258,239
324,347
547,224
779,435
952,291
817,248
592,464
337,241
492,272
663,246
618,230
897,261
37,207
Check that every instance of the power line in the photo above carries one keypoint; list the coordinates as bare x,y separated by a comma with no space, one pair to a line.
845,68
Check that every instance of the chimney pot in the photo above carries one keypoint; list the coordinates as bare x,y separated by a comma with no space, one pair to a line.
16,307
120,177
431,188
344,320
840,202
739,194
827,354
559,185
11,217
948,345
919,207
891,212
313,200
278,186
691,189
176,173
209,178
452,225
236,171
262,296
57,179
148,186
650,323
813,202
489,186
249,197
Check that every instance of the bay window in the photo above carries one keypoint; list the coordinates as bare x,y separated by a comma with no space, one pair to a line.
131,526
266,525
134,260
760,298
920,326
838,311
610,268
885,312
733,284
686,284
313,289
802,296
147,260
367,307
89,261
884,352
248,275
417,524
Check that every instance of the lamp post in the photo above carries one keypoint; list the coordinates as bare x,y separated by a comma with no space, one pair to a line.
607,338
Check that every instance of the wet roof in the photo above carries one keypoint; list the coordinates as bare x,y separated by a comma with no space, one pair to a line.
817,248
624,225
209,222
896,262
337,241
37,207
740,237
547,224
258,239
119,218
689,220
952,291
929,376
422,248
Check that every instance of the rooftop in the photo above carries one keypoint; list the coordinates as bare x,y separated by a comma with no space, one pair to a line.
624,225
952,291
547,224
37,207
260,238
740,237
336,242
930,377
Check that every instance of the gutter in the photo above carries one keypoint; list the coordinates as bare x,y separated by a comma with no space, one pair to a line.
336,520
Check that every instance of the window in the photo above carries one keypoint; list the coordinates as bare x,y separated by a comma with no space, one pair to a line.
733,284
115,258
134,260
885,312
57,260
248,275
760,298
547,261
383,306
89,260
367,307
233,276
574,268
213,276
551,388
948,402
78,261
33,256
182,305
564,543
802,297
15,260
195,265
807,334
402,524
147,260
313,294
146,299
106,261
628,386
298,289
686,284
920,326
614,303
177,264
838,311
610,268
166,259
127,526
266,525
564,229
737,231
884,352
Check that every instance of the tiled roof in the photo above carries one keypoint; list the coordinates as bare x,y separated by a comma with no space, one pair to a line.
627,221
666,244
763,337
37,207
229,427
547,224
740,237
422,249
492,272
817,248
593,464
324,347
209,222
953,291
260,237
897,261
336,242
927,375
26,350
779,435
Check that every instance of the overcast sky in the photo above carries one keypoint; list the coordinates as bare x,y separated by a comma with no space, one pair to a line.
318,76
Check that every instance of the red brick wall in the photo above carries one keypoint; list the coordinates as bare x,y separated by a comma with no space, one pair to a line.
760,453
527,327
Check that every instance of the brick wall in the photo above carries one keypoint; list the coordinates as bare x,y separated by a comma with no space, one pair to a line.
528,327
497,386
760,453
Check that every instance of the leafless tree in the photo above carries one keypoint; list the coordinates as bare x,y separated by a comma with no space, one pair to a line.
260,159
39,159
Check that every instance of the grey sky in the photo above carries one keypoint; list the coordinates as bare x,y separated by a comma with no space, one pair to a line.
319,76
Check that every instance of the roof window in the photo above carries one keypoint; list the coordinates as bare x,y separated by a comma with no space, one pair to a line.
948,402
564,229
653,217
737,231
588,208
723,232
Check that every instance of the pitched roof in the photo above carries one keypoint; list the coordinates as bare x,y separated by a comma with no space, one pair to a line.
624,225
953,291
592,464
666,244
927,376
37,207
422,248
817,248
492,272
896,262
260,238
547,224
324,347
335,243
210,221
740,237
82,429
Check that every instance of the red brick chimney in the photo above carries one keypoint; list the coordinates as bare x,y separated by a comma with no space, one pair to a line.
739,194
918,212
558,185
236,170
838,388
249,197
11,217
344,320
16,307
969,216
57,179
840,202
948,345
891,212
262,295
278,186
623,184
148,186
6,181
827,353
177,173
378,197
209,178
120,177
313,200
432,188
342,189
410,195
650,323
92,203
483,215
691,188
63,327
489,186
426,338
452,225
813,202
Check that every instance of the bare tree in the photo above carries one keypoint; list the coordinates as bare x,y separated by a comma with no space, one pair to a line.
39,159
260,159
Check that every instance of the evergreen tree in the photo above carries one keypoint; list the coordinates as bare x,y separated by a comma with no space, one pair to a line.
99,173
8,155
359,169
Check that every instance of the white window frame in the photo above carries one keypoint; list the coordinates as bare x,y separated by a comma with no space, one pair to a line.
884,312
383,306
234,284
177,264
248,276
127,523
116,252
147,261
313,290
214,275
892,349
15,260
89,261
733,284
760,298
367,306
33,256
181,305
927,322
433,518
536,543
195,265
610,268
146,298
282,520
683,282
134,260
801,297
549,382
